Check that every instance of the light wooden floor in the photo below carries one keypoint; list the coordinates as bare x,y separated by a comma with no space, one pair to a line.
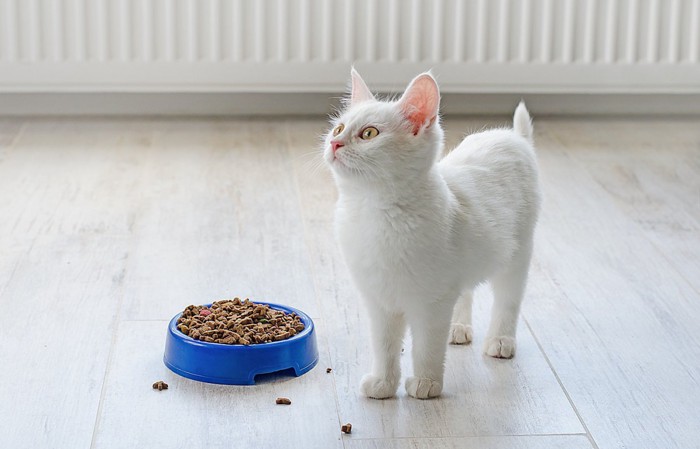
108,227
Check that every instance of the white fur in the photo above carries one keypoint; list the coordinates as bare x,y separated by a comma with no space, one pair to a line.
418,234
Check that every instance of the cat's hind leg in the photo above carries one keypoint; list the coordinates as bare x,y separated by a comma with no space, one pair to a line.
461,332
387,332
508,290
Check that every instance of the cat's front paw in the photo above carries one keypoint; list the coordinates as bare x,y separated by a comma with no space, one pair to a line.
501,347
461,334
423,388
377,388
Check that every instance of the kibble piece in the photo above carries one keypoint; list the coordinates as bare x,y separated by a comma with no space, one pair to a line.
283,401
328,370
346,428
160,386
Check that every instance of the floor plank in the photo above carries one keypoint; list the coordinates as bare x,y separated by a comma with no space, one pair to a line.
510,442
218,217
9,130
196,414
63,297
657,188
65,189
615,319
66,178
482,396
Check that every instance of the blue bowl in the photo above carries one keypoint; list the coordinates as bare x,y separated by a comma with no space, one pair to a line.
237,364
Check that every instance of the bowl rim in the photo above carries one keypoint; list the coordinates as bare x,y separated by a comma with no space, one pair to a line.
306,319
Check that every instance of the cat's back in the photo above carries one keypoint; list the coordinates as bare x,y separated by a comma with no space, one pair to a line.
497,155
494,173
493,149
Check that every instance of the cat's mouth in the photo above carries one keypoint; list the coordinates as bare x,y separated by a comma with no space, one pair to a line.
337,161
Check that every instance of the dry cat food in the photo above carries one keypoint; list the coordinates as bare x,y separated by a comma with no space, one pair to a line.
160,386
346,428
236,322
328,370
283,401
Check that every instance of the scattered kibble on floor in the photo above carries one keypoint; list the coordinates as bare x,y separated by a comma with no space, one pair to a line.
346,428
160,386
328,370
283,401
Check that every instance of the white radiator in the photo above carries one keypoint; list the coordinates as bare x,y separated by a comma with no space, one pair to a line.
308,45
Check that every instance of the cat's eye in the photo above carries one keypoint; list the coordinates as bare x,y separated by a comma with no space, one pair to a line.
338,129
369,133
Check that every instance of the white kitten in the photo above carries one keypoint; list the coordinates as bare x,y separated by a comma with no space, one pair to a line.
419,234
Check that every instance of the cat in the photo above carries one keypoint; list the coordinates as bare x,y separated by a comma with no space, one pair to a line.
419,232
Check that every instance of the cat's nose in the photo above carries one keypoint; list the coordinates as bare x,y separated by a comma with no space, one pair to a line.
335,145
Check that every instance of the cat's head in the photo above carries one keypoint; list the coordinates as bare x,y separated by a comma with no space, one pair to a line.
373,140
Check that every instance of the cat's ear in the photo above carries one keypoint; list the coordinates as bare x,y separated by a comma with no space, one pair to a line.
421,102
359,92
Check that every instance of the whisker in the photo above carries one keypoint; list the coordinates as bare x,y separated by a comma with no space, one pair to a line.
311,162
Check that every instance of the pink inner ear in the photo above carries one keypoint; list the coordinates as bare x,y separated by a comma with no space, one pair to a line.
420,102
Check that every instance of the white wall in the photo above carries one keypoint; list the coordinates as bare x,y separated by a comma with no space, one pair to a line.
253,46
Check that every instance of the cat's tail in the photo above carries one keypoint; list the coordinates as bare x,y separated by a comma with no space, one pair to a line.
522,123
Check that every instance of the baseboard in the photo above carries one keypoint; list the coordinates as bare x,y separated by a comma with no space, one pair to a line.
298,104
